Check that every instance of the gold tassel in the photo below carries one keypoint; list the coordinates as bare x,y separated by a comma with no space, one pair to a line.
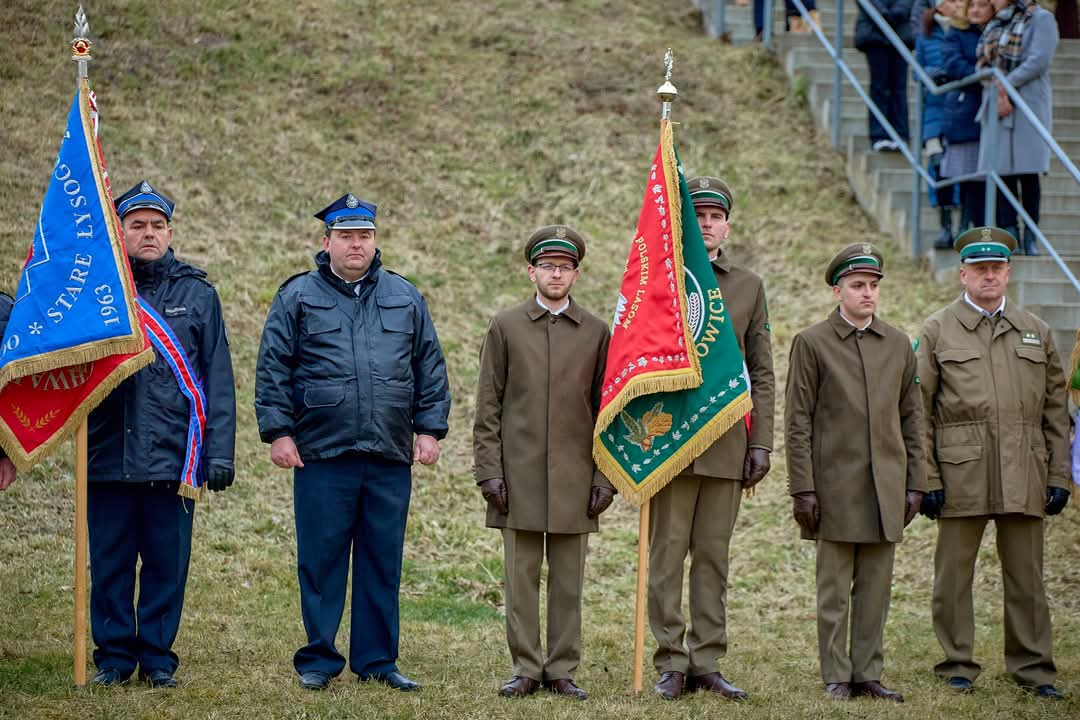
195,494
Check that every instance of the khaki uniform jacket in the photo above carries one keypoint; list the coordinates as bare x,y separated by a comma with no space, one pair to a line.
854,428
997,424
537,399
744,299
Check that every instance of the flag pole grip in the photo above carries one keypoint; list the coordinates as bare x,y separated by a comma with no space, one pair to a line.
642,584
80,555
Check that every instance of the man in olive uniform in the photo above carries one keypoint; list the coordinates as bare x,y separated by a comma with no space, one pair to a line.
997,449
350,370
853,419
695,513
138,451
541,371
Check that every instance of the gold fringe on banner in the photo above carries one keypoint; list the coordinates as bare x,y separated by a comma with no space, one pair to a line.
25,460
196,494
638,495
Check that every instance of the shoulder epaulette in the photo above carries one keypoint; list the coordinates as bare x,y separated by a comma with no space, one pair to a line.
294,277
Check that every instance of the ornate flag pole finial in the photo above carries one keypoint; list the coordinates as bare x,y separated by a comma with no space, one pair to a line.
80,44
667,91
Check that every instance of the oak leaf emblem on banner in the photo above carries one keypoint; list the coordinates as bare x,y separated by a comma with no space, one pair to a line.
652,424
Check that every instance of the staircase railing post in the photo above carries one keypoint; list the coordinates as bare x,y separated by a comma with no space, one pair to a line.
766,24
990,156
838,46
916,189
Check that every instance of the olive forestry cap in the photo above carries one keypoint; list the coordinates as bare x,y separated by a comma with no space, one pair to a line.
348,212
555,240
144,196
985,244
857,257
705,190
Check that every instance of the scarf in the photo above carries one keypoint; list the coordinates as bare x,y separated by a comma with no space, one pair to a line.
1002,42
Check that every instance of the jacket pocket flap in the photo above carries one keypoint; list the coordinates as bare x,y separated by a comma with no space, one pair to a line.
390,301
318,301
1034,354
958,355
326,396
956,454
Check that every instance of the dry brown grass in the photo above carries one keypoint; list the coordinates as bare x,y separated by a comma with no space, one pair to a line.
469,124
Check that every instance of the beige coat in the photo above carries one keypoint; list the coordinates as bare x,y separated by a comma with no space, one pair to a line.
994,397
854,428
537,399
744,299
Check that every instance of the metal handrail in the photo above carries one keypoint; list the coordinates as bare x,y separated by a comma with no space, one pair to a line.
993,180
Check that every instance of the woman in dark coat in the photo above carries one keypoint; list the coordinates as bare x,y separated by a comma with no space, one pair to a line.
888,71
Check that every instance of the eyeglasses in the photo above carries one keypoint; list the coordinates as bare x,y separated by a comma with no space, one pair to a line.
552,267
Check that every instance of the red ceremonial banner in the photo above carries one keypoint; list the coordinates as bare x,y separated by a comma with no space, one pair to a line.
649,337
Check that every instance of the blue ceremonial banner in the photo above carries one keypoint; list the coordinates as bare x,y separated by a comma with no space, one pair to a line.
74,303
74,332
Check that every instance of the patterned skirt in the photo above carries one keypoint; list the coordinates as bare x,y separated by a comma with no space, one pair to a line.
960,159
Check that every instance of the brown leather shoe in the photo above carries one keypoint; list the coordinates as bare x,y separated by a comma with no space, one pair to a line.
670,686
838,691
715,682
875,689
566,686
519,686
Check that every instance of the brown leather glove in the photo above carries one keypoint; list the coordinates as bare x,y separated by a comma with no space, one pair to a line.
806,510
494,491
755,467
912,503
599,500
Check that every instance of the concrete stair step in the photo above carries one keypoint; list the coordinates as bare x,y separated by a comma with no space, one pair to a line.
1040,291
1059,316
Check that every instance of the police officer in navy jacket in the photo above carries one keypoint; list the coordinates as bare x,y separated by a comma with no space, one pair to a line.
136,457
350,389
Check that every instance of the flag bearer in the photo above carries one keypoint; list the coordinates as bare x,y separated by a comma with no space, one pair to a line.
695,513
139,446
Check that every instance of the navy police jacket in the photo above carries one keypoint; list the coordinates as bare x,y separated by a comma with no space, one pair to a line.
139,432
340,371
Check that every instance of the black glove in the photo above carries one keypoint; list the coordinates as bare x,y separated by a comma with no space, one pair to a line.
932,503
1056,499
494,491
806,510
755,467
599,500
219,474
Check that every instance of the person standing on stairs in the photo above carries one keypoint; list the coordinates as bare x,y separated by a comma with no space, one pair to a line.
888,71
1020,40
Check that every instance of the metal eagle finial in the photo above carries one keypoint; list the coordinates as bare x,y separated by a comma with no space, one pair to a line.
80,44
667,91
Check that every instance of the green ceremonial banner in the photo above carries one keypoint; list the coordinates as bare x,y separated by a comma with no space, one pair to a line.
643,442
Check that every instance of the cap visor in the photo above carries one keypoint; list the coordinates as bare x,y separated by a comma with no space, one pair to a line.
352,224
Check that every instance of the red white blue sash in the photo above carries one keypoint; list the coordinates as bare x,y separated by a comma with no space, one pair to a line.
169,348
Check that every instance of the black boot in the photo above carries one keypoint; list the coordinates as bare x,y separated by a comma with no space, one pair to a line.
944,239
1031,245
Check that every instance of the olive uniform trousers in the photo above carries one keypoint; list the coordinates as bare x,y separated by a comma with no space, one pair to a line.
523,553
694,514
1028,641
854,581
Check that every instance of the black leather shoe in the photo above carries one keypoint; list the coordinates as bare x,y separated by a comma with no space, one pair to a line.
107,676
670,685
717,683
838,691
159,679
314,680
1049,692
959,684
393,679
566,686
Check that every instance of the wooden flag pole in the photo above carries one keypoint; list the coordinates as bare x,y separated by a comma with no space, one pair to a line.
80,555
642,585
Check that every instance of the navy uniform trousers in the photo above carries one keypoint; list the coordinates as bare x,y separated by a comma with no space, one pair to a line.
128,521
358,502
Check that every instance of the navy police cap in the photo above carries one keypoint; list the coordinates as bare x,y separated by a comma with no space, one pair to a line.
143,195
348,212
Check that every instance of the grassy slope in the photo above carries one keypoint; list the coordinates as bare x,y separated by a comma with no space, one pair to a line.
469,124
